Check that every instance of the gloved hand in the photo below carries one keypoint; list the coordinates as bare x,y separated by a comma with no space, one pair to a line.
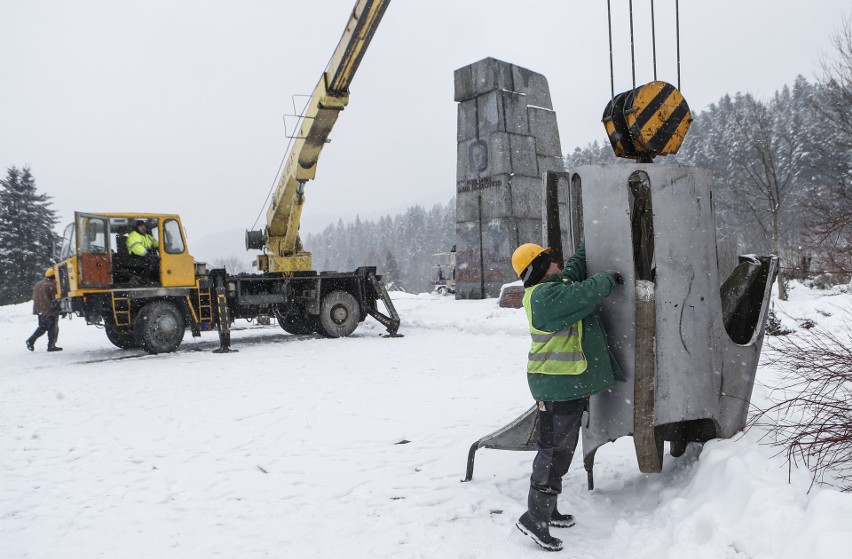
616,276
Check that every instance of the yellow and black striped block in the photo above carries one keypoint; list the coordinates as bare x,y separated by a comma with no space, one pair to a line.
658,117
647,121
617,128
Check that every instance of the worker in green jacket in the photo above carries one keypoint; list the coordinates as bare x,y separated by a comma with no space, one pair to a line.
143,247
569,360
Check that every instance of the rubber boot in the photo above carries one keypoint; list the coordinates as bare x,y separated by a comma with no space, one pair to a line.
559,520
535,522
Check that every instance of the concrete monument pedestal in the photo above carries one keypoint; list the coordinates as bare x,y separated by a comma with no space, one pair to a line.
507,138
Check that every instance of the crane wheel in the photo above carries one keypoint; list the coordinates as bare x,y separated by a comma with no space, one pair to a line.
298,325
121,337
159,327
339,315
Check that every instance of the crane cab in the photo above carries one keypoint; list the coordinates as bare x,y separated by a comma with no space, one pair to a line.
94,254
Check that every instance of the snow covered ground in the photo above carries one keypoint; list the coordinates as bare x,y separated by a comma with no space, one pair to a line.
305,447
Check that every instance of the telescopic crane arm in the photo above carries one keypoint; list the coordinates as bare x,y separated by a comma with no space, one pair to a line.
284,251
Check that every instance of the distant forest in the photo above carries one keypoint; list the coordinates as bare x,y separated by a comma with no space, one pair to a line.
401,247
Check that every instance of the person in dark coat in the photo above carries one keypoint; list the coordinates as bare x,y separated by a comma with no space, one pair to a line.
44,296
569,360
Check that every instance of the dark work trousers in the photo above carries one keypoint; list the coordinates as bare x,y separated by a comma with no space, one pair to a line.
49,324
559,430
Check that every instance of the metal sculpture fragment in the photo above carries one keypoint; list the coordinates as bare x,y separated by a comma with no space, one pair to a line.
688,342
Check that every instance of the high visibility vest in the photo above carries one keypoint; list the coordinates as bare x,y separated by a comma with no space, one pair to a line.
140,244
554,353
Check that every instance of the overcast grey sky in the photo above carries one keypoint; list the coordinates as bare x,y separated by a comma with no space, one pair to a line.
176,106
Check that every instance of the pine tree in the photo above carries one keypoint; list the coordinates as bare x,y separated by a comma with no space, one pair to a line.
594,153
391,272
757,152
830,222
407,242
26,235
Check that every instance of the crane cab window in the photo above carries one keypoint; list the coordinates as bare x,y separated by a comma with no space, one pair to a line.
172,239
93,247
129,268
68,245
95,239
121,227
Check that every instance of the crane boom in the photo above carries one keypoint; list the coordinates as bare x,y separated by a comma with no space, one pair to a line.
284,251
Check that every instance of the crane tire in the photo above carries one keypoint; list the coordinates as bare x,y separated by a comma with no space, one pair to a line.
339,315
298,325
122,338
159,327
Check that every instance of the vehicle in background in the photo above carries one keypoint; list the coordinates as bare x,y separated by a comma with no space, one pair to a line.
444,272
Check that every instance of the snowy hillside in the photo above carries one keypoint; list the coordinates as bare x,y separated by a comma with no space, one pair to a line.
300,447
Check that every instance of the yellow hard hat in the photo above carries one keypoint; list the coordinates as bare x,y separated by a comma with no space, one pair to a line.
49,273
524,255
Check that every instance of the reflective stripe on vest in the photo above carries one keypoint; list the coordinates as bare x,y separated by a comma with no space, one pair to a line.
554,353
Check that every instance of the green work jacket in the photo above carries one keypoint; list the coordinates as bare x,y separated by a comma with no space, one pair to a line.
556,304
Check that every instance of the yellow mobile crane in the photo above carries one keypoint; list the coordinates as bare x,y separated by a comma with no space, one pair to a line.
150,303
280,238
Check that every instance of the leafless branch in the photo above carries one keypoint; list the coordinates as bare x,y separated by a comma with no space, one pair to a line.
811,417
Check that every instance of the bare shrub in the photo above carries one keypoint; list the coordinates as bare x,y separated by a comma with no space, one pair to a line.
811,417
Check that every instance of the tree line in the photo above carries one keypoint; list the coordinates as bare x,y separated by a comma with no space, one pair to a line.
401,247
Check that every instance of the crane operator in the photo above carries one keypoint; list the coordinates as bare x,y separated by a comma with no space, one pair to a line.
144,247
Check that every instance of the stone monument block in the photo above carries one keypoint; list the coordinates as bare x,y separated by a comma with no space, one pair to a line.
533,85
550,163
468,260
512,297
481,266
527,204
481,157
543,121
527,229
467,121
467,207
502,111
497,200
507,136
485,203
482,77
522,155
